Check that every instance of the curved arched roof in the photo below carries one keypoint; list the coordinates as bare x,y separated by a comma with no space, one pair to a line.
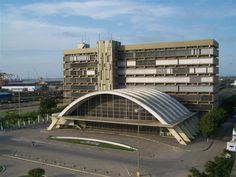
166,109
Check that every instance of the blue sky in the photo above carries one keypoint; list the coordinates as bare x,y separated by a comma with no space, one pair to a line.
33,34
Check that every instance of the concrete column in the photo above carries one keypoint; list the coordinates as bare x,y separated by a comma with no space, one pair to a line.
53,124
177,136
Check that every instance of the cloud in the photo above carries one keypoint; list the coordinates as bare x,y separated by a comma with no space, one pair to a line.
27,25
96,9
23,33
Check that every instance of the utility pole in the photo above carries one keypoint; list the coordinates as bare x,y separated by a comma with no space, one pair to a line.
19,102
138,174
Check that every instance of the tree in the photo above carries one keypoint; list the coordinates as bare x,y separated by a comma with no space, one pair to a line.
195,173
211,121
229,103
47,105
207,125
219,167
36,172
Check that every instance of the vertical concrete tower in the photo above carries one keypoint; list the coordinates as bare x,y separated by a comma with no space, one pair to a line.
107,57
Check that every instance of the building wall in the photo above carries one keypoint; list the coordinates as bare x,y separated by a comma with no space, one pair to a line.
107,56
80,73
186,70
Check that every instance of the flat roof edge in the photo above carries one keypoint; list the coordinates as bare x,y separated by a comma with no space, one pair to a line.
170,44
80,51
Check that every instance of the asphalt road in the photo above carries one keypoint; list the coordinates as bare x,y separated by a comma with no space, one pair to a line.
157,159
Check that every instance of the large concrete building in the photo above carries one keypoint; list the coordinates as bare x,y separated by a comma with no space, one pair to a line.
186,70
130,86
125,109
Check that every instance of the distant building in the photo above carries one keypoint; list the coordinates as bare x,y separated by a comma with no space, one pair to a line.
21,86
186,70
5,95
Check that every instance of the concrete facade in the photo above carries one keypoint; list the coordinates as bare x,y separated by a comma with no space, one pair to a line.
186,70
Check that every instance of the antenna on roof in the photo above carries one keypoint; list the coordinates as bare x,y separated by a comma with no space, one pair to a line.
82,38
85,37
99,37
111,36
88,40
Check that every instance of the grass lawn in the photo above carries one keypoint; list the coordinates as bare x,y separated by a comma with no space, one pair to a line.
93,143
4,113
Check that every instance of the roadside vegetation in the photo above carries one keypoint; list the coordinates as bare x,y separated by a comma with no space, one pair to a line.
211,121
229,104
47,106
13,118
221,166
36,172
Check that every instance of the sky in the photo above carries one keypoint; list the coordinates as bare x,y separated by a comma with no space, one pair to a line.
33,33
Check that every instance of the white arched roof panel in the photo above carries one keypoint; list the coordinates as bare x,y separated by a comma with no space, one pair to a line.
74,104
157,105
150,103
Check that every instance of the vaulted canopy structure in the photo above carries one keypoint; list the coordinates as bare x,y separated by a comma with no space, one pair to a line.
145,107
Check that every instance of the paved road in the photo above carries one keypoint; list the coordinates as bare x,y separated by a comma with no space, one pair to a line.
157,158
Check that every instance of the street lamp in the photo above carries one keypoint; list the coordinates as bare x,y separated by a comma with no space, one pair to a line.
137,110
19,102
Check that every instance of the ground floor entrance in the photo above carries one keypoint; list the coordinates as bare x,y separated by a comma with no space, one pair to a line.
162,131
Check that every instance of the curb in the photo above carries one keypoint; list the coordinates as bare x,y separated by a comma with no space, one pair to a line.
141,137
208,146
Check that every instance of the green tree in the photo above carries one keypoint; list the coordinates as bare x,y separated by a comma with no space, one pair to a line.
229,103
211,121
36,172
29,116
47,105
219,167
207,126
12,117
195,173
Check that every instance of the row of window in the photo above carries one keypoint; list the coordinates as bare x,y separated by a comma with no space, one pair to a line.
79,57
80,80
164,53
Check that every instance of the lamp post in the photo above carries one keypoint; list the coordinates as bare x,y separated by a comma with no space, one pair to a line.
138,151
19,102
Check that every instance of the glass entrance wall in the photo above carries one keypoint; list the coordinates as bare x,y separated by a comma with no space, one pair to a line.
123,127
110,107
